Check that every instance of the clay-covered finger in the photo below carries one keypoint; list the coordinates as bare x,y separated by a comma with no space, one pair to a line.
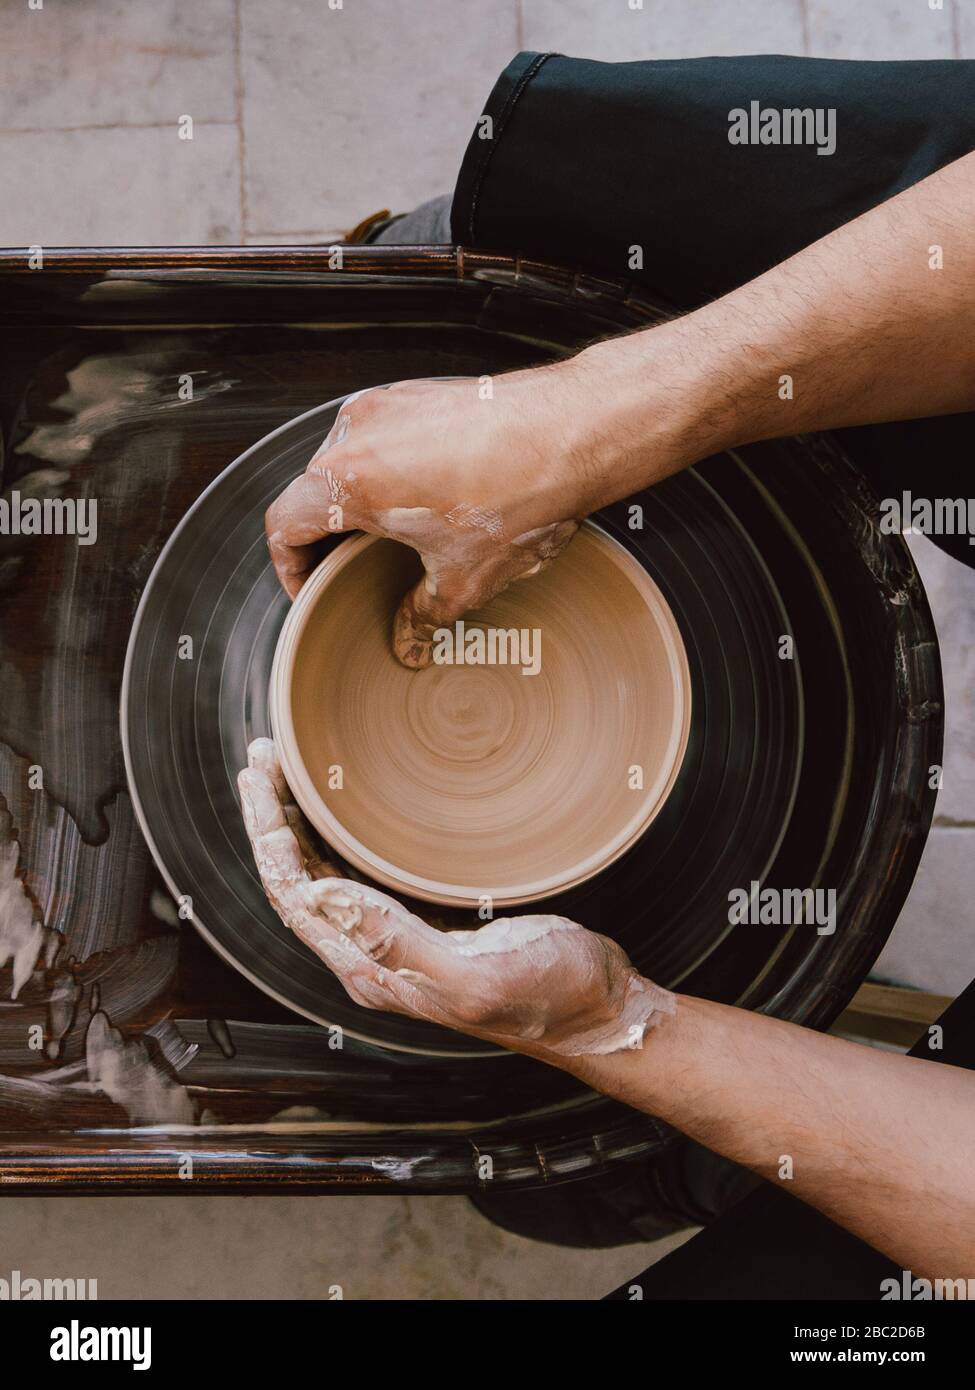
369,981
362,937
449,590
412,637
296,522
263,757
382,927
444,594
277,853
315,865
369,984
350,965
260,803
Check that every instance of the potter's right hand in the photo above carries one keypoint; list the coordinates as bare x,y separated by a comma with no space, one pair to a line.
485,477
541,985
488,479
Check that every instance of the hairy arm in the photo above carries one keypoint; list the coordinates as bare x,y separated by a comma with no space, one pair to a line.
881,1143
862,323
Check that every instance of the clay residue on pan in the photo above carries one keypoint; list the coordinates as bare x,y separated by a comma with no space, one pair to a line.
126,1072
464,781
23,937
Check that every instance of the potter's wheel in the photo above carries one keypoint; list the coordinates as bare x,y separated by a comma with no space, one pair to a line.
764,785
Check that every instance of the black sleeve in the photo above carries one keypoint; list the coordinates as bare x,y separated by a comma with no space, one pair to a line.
584,160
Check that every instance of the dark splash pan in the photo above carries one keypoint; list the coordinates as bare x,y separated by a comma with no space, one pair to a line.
811,772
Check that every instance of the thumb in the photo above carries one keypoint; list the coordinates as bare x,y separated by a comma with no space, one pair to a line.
449,590
437,600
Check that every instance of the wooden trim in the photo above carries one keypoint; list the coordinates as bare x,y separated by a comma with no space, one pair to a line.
891,1014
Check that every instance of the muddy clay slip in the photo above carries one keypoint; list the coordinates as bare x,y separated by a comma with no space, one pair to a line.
536,749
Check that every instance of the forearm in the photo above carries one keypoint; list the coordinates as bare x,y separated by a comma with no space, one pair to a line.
857,328
881,1143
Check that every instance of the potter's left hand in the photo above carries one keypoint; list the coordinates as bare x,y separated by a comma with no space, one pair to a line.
541,984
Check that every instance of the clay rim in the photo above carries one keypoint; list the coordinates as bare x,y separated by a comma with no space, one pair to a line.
374,865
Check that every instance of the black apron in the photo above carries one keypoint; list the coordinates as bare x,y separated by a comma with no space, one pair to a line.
578,162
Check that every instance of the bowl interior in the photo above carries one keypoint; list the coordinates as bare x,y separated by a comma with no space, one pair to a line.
538,746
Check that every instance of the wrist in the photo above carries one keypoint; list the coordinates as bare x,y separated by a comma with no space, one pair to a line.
624,1023
665,398
646,1074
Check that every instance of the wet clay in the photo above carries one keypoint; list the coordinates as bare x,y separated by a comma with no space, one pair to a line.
520,772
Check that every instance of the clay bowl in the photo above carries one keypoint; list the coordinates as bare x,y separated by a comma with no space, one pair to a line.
512,775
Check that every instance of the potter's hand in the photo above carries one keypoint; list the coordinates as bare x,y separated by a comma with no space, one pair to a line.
489,489
541,984
870,1135
481,476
